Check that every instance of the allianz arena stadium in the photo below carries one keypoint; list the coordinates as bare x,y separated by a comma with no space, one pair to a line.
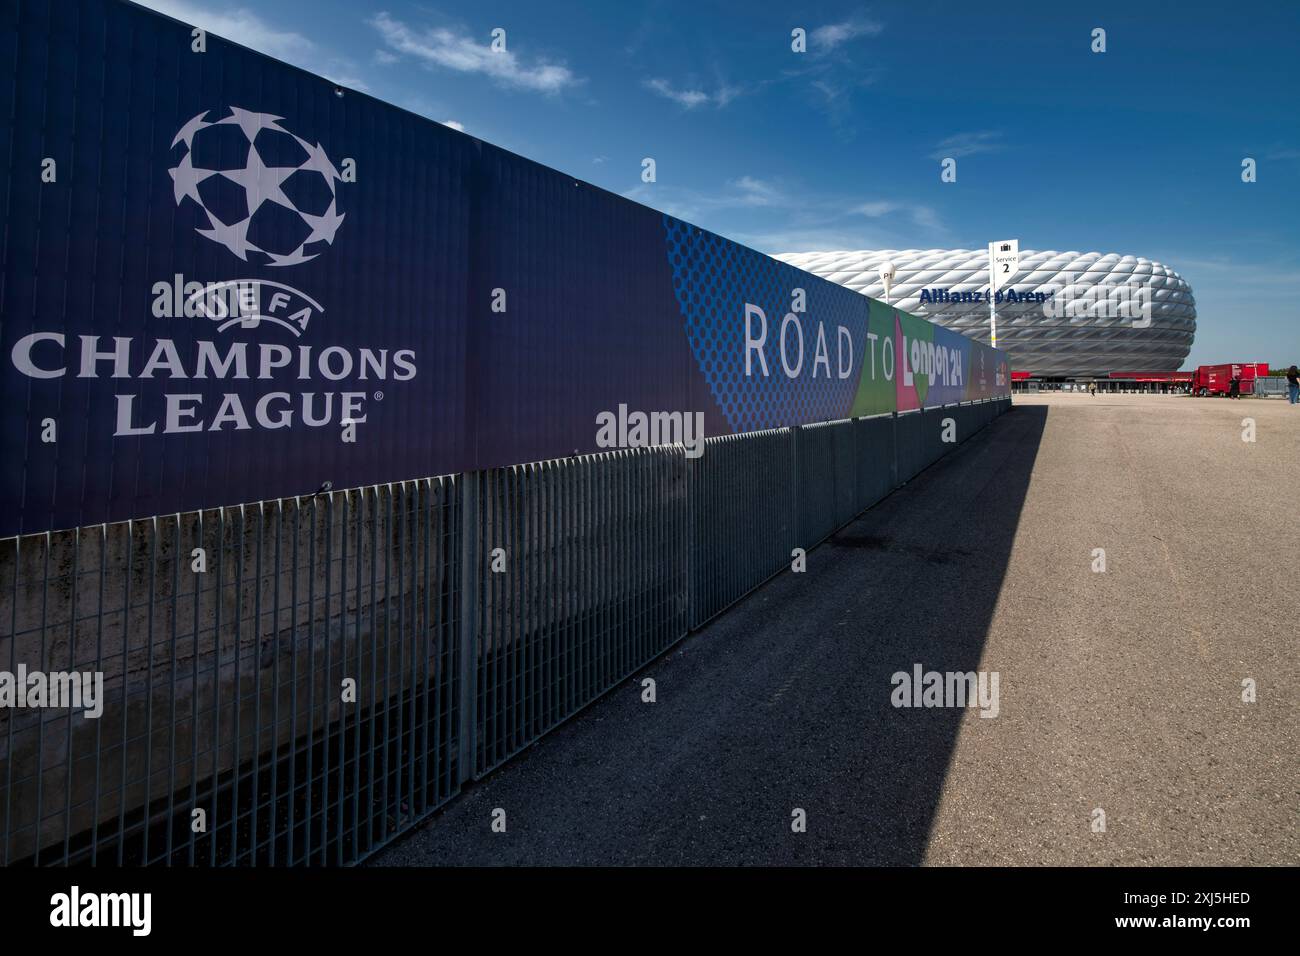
1086,314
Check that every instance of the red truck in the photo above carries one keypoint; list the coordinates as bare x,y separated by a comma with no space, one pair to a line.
1217,379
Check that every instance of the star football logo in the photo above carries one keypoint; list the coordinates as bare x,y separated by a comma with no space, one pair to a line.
263,192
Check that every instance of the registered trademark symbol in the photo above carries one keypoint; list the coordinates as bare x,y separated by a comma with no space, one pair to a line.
379,396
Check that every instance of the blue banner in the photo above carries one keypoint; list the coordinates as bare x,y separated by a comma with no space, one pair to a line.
225,280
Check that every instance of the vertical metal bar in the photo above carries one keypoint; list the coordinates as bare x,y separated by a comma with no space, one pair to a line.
568,535
395,701
257,684
293,685
516,609
495,633
72,668
99,668
594,572
639,521
615,568
411,640
518,606
273,838
126,685
553,585
469,588
528,561
403,791
220,551
592,566
586,543
239,638
327,733
371,723
194,688
502,619
171,708
311,674
610,568
388,663
374,670
631,527
343,659
9,733
256,687
40,723
548,596
649,494
451,608
431,495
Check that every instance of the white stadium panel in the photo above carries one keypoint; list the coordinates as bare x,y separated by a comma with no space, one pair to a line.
1112,312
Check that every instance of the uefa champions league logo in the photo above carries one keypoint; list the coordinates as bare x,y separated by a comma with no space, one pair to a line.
263,192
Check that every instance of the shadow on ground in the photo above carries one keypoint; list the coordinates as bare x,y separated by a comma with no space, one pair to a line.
781,703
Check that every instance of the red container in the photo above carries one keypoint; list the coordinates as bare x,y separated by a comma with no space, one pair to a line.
1217,379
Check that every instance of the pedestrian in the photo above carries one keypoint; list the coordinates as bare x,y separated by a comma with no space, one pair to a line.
1234,387
1293,386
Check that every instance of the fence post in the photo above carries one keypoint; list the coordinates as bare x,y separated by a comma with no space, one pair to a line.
795,500
689,540
467,652
893,465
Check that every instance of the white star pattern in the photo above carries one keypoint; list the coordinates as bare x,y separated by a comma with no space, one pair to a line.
186,179
323,227
260,184
234,237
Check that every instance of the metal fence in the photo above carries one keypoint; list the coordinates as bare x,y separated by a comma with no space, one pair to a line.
300,681
1267,386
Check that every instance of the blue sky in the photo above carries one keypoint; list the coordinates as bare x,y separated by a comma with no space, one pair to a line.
1137,150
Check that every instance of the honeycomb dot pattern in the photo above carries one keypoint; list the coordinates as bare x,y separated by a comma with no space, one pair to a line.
1093,343
713,279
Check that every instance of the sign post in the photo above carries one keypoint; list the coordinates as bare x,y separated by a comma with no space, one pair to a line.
887,277
1004,260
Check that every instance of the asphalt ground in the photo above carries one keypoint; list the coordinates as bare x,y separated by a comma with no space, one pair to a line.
1119,691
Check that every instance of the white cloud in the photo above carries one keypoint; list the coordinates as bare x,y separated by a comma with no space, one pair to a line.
687,99
243,26
693,205
926,217
831,35
923,216
384,58
968,144
442,47
756,192
767,215
877,209
812,238
725,94
460,127
691,98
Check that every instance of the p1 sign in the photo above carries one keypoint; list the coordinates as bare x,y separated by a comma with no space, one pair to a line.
887,273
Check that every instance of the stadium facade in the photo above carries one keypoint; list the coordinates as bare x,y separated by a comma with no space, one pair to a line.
1062,315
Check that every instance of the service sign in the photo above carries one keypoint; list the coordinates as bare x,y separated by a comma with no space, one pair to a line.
1004,262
